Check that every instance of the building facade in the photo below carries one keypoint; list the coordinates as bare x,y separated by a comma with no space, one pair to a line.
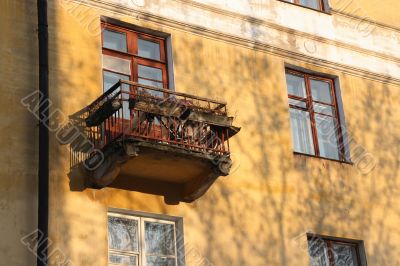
313,175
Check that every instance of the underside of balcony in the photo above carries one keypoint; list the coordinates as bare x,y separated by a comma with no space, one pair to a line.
156,141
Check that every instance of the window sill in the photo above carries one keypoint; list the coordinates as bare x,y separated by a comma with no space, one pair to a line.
323,158
318,10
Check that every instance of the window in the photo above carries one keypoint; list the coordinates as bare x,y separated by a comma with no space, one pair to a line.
133,56
314,4
314,115
142,241
329,251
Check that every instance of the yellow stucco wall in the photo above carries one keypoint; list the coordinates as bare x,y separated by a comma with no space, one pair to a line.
256,216
385,12
18,142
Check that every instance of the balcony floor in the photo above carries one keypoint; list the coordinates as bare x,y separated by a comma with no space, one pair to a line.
157,168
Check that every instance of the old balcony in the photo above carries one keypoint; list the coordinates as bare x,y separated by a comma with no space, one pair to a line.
156,141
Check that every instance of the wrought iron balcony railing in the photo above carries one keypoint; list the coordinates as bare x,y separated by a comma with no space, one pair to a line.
147,133
130,110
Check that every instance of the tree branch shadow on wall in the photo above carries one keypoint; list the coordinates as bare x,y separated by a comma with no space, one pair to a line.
275,196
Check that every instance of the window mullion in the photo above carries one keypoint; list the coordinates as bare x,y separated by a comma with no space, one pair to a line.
132,42
143,244
312,114
330,253
322,6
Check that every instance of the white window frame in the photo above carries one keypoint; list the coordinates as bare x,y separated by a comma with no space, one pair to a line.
143,220
141,254
119,252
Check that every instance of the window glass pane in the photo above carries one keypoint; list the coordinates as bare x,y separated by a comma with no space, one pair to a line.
297,103
114,40
153,73
159,238
116,259
122,234
150,73
153,84
149,49
296,85
327,136
311,3
323,109
301,131
318,251
344,255
117,64
321,91
160,261
109,80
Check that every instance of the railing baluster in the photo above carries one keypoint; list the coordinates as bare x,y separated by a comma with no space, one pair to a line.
223,141
227,140
168,130
139,123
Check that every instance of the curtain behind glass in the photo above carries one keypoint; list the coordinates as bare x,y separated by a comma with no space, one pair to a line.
301,131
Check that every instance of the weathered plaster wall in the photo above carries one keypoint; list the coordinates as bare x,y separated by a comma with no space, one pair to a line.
335,40
18,142
256,215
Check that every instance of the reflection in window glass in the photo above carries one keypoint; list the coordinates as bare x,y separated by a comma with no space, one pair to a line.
296,85
301,131
114,40
150,72
151,76
327,136
115,259
323,109
122,234
327,252
321,91
160,261
153,84
149,49
111,78
311,3
117,64
150,83
159,238
297,103
318,251
344,255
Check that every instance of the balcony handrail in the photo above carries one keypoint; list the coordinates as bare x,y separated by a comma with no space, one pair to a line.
103,96
150,118
186,95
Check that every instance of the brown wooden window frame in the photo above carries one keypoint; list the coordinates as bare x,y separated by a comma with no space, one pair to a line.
297,2
330,241
132,54
309,108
